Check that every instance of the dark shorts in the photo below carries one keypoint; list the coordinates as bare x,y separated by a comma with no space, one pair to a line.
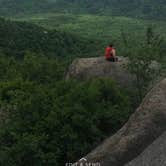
112,59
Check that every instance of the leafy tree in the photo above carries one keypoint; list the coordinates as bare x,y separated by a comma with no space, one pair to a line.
143,61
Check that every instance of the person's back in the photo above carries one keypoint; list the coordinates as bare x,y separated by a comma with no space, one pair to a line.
110,53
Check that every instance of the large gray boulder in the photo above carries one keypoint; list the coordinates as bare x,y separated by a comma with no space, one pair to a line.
154,155
143,127
87,68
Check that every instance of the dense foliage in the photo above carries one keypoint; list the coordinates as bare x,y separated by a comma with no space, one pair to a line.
44,119
48,121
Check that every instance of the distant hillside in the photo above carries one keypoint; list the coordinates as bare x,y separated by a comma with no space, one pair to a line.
135,8
8,7
101,29
17,37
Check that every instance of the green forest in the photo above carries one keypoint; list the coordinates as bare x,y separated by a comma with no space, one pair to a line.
47,120
40,123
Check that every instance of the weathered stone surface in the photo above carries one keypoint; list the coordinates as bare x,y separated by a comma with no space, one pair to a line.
87,68
143,127
154,155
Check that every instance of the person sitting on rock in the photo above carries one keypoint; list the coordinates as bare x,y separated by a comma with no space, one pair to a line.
110,53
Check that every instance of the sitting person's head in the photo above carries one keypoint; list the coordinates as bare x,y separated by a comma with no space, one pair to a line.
111,45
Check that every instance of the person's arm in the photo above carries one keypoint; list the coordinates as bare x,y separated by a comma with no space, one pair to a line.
114,52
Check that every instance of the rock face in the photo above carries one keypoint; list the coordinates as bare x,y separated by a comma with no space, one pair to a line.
143,127
86,68
154,155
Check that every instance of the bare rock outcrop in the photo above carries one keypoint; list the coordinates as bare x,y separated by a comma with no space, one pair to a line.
86,68
153,155
143,127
